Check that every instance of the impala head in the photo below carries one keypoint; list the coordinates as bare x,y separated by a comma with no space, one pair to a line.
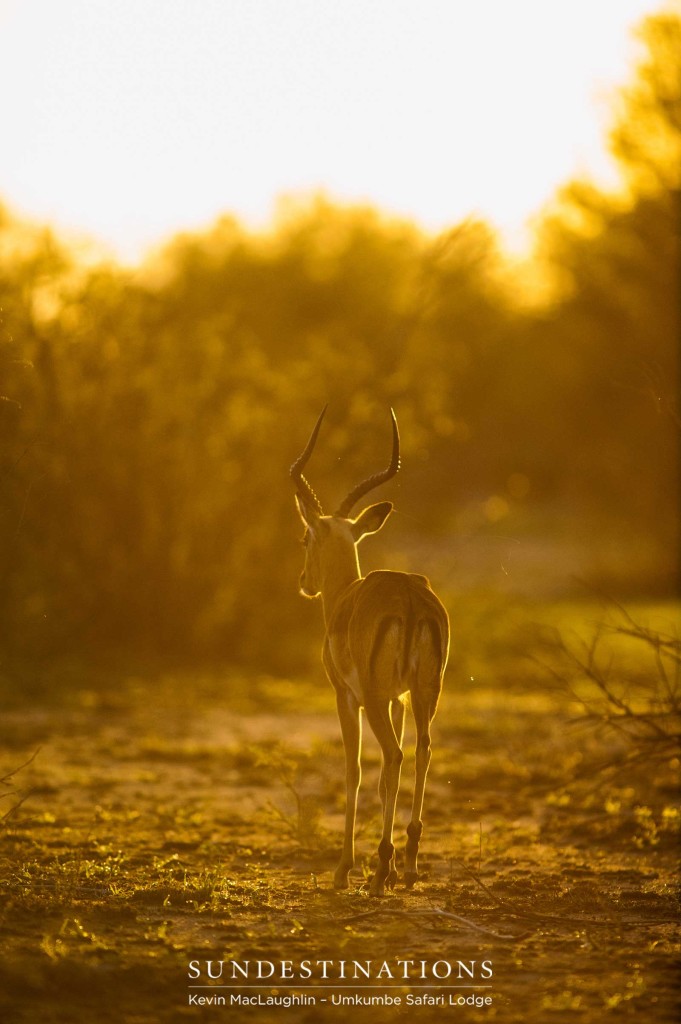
331,540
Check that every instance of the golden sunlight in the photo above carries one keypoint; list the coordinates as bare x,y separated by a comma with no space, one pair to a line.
130,121
325,188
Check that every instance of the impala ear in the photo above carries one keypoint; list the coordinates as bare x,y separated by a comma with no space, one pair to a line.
371,519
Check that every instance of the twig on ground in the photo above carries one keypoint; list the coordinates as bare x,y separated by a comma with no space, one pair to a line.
435,912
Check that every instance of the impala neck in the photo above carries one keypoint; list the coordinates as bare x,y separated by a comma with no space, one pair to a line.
339,569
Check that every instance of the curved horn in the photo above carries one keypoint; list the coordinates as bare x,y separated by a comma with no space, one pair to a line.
302,485
379,478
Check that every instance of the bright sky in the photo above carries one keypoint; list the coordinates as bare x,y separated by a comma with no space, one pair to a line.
132,119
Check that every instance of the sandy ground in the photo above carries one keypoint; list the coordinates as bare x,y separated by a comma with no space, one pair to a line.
176,820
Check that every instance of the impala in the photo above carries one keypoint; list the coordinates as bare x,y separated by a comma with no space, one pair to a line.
387,638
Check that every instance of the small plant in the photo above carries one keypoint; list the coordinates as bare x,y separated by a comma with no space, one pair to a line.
18,795
287,766
627,680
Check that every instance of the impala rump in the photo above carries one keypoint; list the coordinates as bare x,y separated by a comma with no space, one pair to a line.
388,631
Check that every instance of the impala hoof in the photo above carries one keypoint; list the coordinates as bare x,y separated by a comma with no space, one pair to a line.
410,877
341,875
391,879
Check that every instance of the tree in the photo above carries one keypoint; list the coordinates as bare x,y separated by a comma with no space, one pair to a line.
616,326
646,137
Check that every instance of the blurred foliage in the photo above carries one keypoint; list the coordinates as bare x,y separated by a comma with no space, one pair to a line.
148,418
646,138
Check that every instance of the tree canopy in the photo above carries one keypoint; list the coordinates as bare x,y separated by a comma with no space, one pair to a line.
148,418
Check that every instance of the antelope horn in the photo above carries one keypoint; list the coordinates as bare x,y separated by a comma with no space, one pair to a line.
302,485
374,481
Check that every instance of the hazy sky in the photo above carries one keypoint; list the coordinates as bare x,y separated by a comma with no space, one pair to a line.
130,119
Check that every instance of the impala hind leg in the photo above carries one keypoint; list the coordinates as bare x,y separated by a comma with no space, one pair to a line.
351,728
397,718
424,709
382,725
